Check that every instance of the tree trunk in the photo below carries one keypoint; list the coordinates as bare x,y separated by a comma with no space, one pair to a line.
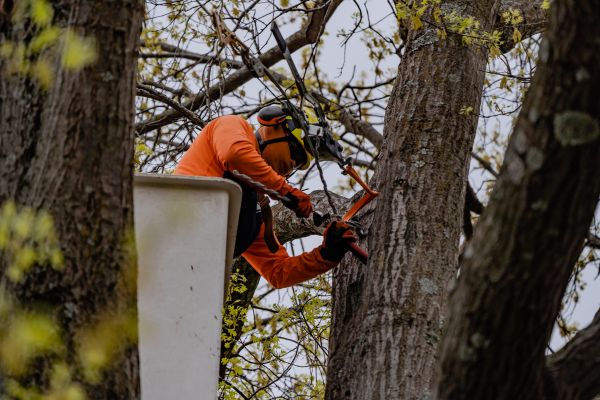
388,316
525,246
69,150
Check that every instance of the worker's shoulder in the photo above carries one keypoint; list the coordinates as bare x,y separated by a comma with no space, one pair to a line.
232,121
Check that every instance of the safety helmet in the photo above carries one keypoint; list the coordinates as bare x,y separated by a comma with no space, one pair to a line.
273,115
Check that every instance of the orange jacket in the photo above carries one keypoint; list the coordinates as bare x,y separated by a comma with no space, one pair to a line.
228,143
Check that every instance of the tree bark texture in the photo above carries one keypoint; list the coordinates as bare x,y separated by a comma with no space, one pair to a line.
575,369
388,316
69,150
525,246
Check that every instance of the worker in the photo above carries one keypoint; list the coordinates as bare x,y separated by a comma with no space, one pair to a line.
267,156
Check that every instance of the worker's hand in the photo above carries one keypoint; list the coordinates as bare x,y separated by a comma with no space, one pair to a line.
299,203
336,241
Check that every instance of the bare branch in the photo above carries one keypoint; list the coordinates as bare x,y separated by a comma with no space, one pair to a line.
171,51
593,241
307,34
351,123
147,91
485,164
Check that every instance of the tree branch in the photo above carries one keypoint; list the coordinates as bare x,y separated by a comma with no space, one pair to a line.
485,164
472,204
171,51
351,123
147,91
575,369
593,241
307,34
534,21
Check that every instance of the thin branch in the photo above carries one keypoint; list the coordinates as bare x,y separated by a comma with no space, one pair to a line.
593,241
485,164
171,51
147,91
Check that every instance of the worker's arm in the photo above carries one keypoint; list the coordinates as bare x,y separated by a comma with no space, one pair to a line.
281,270
233,144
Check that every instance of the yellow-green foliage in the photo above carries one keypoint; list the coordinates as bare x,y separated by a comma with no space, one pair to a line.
429,13
233,314
27,238
51,46
265,344
101,343
141,151
28,332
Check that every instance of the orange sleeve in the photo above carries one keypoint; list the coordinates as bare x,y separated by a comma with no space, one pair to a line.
281,270
233,143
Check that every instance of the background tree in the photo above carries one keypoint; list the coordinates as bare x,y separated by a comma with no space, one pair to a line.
66,117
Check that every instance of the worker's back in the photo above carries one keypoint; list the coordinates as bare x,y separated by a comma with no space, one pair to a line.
205,156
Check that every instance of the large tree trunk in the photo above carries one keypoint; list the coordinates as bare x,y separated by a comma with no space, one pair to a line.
388,316
525,246
69,150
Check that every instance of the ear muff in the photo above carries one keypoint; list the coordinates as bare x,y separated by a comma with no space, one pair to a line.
297,150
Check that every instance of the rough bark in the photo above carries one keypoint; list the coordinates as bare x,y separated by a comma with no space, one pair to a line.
387,316
524,248
69,150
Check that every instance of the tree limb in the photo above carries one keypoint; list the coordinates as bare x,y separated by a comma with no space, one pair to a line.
147,91
575,369
485,164
593,241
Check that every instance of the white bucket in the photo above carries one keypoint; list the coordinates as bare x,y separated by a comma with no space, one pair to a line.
185,232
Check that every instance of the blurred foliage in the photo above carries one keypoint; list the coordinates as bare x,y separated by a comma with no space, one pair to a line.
27,238
43,48
32,341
